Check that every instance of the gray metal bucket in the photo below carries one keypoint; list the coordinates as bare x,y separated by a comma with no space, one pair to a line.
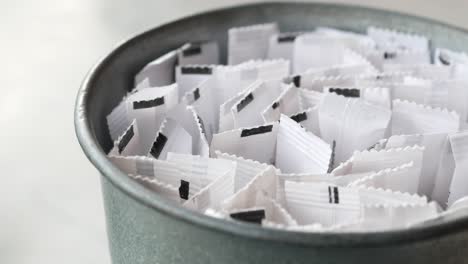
143,228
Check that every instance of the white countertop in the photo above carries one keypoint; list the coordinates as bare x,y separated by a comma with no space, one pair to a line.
50,201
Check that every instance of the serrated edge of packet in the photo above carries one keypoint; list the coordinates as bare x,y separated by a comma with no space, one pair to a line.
380,173
197,119
234,156
388,191
339,77
422,66
427,107
399,32
284,211
153,181
386,150
251,64
402,205
362,58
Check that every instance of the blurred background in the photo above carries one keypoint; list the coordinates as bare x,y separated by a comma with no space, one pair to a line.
50,202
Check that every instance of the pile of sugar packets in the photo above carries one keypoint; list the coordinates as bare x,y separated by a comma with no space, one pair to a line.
318,131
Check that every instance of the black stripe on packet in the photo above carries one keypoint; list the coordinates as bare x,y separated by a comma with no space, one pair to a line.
256,130
299,117
158,145
196,94
184,189
443,60
193,49
202,125
244,102
252,216
331,164
275,105
346,92
336,196
286,38
126,139
297,80
148,103
195,70
333,195
389,55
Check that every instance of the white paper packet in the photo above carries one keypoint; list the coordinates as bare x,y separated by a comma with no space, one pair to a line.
319,203
129,143
395,179
299,151
148,106
142,84
246,169
382,217
451,94
171,137
255,203
351,124
459,184
166,190
269,213
264,184
193,124
214,180
318,51
309,98
330,179
189,77
411,118
281,45
199,53
226,118
166,174
448,57
386,38
308,119
311,203
246,142
250,42
205,101
371,161
288,102
287,145
433,148
235,79
159,72
194,181
444,175
247,111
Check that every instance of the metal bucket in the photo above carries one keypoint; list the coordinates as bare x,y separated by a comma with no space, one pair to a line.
143,228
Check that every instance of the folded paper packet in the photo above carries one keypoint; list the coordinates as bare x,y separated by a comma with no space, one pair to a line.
283,144
250,42
310,131
350,124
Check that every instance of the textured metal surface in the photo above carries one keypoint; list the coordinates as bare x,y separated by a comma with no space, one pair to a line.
143,228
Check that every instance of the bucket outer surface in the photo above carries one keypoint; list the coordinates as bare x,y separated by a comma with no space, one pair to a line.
143,228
